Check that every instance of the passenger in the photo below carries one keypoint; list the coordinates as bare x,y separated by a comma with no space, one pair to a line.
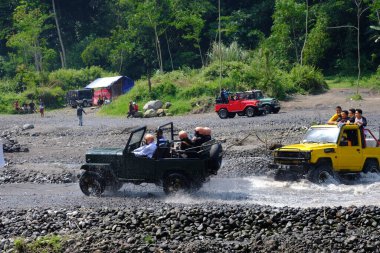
201,136
345,140
185,141
351,115
343,119
160,137
335,117
148,149
359,119
361,122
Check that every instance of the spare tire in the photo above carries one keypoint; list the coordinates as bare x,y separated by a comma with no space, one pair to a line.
215,160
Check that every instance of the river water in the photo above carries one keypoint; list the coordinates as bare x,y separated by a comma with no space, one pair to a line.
250,190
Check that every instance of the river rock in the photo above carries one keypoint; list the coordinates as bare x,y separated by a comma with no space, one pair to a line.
154,104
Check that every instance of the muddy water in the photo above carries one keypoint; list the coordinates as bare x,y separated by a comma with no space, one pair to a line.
250,190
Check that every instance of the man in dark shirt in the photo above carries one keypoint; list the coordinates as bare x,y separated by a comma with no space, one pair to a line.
32,107
80,112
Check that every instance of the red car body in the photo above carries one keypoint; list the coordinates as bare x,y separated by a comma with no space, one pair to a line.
241,107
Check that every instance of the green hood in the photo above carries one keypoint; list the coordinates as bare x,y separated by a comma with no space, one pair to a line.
105,151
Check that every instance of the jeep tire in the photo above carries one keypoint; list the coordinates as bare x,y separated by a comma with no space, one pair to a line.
250,111
91,184
268,109
321,173
276,110
371,166
223,114
175,182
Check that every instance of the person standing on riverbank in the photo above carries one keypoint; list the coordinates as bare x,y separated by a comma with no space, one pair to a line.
80,112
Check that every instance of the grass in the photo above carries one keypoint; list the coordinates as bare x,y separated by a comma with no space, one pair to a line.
45,244
350,82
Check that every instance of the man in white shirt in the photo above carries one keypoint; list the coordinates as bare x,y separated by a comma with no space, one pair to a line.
149,147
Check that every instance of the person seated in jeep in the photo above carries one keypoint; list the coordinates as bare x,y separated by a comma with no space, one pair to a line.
201,135
185,141
343,119
335,117
148,149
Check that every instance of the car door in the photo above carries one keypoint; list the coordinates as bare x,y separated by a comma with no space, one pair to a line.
139,167
350,155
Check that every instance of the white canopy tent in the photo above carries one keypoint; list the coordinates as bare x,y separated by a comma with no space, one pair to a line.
104,82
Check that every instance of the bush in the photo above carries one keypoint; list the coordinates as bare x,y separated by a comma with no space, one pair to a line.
52,97
69,79
307,79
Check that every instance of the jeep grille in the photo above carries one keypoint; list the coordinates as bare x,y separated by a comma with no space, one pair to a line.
291,157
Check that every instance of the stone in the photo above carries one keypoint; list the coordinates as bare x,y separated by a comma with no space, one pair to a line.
27,126
150,113
154,104
167,105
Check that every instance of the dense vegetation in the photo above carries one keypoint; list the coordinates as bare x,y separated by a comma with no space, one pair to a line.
280,46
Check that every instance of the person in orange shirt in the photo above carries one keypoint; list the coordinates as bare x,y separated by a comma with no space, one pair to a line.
336,116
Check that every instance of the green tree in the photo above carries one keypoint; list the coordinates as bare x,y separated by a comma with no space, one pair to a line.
29,24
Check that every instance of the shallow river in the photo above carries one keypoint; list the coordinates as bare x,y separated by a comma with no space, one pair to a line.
251,190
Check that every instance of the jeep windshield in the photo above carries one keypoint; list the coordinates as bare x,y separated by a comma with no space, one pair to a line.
321,135
259,95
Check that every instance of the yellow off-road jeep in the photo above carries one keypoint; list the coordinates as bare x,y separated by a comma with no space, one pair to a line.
328,151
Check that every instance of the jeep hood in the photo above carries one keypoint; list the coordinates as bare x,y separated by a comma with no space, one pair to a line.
266,100
105,151
307,146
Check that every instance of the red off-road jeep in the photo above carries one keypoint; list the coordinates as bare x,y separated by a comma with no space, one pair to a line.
238,106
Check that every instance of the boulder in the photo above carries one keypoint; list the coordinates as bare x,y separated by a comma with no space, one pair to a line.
154,104
150,113
27,126
167,105
161,112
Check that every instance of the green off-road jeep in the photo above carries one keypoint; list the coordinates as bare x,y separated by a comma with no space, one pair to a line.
169,167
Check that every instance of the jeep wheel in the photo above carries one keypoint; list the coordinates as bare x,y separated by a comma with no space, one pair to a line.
91,184
268,109
231,115
322,173
174,183
371,166
223,114
276,110
250,112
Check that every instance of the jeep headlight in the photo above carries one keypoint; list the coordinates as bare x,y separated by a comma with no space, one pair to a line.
307,155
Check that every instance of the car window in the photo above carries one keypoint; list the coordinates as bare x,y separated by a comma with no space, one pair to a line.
135,140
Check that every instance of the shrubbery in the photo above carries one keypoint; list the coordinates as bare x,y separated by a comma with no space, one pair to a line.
307,79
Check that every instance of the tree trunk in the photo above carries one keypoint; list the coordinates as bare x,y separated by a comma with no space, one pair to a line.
306,30
149,81
200,53
121,60
63,58
358,43
170,54
158,49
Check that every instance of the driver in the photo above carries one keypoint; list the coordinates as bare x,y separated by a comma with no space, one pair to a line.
148,149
